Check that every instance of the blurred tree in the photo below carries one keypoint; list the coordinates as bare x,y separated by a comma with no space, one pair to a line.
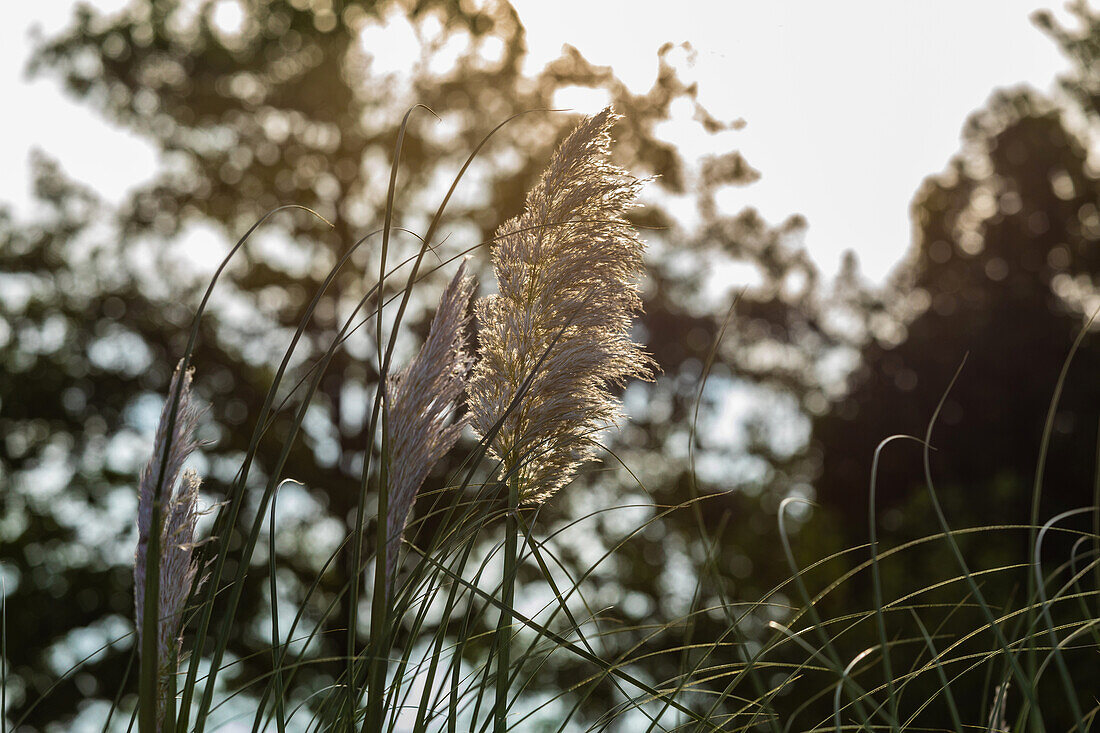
252,104
1002,272
1005,252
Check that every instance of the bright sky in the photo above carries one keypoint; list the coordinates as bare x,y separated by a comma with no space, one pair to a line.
849,104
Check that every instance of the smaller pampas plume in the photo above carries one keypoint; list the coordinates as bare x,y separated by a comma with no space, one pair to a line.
556,338
177,564
421,398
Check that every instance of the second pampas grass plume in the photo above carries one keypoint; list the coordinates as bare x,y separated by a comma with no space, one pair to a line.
556,337
421,399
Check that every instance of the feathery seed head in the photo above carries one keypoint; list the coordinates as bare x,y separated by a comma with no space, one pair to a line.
556,337
178,565
421,398
180,513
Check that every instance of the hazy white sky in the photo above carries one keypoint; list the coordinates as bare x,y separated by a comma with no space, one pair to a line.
849,104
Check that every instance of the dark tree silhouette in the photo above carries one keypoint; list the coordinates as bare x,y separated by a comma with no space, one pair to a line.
1006,242
1002,272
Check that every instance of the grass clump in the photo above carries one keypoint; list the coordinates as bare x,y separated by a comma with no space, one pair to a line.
422,651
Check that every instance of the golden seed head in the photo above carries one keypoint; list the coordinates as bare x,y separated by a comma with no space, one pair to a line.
556,337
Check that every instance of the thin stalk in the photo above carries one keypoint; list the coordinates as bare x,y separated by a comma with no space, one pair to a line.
276,648
170,702
4,656
1096,509
379,614
507,597
876,576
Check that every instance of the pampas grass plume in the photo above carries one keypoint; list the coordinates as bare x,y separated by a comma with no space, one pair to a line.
421,399
558,331
178,566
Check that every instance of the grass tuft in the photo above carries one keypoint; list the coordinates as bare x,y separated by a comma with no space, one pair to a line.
457,601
